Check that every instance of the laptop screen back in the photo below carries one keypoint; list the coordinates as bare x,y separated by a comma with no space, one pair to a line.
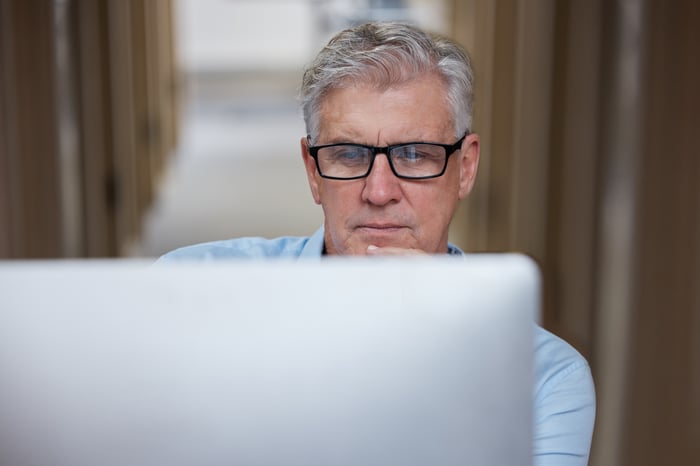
343,362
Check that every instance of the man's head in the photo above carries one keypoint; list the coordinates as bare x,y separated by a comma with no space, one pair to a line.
379,85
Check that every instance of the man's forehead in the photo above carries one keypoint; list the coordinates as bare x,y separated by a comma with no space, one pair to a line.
354,113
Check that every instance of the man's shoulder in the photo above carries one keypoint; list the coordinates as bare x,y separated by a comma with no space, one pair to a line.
564,403
240,248
557,362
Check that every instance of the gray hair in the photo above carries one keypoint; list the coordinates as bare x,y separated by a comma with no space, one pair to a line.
384,55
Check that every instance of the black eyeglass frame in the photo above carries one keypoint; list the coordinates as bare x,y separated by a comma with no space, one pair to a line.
449,150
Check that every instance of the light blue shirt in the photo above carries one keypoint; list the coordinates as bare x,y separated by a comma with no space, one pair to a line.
564,395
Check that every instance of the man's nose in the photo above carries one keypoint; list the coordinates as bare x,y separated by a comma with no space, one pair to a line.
381,185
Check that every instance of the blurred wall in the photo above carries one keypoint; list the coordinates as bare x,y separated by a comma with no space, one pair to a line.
588,116
236,35
88,115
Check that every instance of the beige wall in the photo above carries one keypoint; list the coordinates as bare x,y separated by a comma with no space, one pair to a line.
88,109
588,116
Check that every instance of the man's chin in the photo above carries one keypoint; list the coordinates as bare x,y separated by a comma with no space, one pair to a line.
396,239
360,239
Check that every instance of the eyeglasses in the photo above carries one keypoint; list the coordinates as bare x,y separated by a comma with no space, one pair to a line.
410,160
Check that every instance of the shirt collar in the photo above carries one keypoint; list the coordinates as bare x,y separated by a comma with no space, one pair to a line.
453,250
313,249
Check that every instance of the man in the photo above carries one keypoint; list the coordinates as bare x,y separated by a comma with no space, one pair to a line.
388,155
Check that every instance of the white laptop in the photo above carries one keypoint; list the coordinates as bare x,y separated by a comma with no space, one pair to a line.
343,362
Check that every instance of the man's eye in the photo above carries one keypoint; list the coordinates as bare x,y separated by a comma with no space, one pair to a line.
422,153
349,155
413,154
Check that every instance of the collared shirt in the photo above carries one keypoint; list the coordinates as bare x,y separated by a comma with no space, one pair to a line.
564,395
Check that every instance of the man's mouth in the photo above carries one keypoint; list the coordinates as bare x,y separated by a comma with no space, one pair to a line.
381,227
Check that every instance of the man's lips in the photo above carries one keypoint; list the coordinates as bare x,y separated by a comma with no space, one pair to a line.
380,226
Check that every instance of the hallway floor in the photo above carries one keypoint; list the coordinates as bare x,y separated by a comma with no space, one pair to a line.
238,169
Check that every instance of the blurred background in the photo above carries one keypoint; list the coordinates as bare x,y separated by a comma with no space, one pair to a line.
131,127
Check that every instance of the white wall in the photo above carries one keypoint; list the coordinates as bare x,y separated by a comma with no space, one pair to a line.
234,34
269,34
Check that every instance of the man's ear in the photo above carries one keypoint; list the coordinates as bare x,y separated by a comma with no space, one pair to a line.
311,171
469,164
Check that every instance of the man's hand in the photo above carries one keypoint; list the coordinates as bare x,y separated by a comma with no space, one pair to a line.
373,250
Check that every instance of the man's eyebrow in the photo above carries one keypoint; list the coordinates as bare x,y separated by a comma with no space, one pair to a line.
349,137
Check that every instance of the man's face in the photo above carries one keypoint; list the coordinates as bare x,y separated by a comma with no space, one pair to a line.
393,214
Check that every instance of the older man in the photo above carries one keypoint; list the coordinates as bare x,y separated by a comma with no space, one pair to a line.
388,155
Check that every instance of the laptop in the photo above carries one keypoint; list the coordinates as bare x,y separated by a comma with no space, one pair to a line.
345,361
